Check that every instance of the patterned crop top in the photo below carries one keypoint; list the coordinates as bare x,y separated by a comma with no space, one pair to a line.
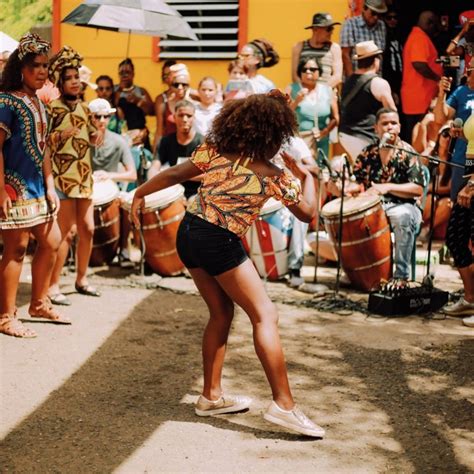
231,195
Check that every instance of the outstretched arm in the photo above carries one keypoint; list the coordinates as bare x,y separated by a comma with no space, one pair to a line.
174,175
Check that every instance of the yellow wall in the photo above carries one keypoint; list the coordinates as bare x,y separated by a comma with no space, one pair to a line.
280,21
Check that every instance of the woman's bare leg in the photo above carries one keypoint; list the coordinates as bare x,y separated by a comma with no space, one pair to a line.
85,232
243,285
15,242
221,313
48,236
66,221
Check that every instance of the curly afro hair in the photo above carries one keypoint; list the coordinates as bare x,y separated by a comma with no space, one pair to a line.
255,127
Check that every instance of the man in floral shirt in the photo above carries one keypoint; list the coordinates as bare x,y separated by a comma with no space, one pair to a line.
397,177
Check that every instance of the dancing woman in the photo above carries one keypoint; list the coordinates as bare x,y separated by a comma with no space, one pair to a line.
28,200
238,178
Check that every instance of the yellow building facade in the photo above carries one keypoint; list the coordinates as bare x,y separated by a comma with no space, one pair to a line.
280,21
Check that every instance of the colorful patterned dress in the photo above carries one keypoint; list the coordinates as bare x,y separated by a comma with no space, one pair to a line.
71,158
231,195
25,123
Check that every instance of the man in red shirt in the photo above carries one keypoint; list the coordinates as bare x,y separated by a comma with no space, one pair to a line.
421,74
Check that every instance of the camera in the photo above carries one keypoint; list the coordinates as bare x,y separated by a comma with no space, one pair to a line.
450,62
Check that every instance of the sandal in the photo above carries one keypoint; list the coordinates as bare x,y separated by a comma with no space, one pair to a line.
11,326
44,310
87,290
60,299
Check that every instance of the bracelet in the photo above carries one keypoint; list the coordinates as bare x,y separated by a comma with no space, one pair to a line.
470,183
454,42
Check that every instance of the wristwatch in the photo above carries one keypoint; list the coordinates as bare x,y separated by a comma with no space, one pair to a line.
470,183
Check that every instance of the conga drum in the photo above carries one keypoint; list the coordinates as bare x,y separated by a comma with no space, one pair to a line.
366,250
160,219
106,222
267,240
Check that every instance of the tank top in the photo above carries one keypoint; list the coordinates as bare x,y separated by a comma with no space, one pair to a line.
323,55
468,130
358,116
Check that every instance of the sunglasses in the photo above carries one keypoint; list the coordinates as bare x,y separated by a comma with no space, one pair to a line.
101,116
177,84
391,17
104,88
329,29
310,69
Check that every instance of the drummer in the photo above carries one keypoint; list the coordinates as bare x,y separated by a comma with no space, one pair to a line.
177,147
397,177
112,160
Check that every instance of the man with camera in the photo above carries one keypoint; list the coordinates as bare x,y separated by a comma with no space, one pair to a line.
421,73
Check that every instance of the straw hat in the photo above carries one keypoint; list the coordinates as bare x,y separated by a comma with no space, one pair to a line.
366,49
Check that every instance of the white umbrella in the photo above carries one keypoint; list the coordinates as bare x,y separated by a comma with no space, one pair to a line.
144,17
7,43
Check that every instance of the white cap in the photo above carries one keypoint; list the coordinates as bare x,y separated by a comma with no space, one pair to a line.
85,75
101,107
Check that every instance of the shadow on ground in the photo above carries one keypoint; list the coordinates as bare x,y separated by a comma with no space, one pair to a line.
134,383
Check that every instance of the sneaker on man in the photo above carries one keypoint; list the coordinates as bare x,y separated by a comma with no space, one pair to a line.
469,322
461,308
225,404
295,279
294,420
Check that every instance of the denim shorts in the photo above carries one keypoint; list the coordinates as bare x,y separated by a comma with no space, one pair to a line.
201,244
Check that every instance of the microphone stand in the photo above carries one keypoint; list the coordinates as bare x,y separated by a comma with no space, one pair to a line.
339,236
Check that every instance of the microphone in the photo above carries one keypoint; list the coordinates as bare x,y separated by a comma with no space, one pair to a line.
386,137
350,171
327,163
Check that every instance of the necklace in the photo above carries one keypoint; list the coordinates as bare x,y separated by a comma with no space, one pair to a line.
39,114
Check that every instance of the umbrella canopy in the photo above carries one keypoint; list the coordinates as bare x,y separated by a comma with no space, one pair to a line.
143,17
7,43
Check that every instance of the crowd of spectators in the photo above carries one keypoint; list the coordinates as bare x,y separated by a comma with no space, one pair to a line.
337,93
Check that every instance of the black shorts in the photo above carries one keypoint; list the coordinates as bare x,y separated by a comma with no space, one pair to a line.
201,244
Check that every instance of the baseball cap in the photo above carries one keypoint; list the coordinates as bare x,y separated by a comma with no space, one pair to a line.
101,107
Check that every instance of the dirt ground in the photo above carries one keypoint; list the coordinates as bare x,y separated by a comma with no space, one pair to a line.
114,392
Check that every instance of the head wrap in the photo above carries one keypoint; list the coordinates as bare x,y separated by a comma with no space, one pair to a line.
65,58
31,43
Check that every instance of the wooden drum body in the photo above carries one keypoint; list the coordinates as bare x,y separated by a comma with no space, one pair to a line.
267,240
106,222
163,212
366,250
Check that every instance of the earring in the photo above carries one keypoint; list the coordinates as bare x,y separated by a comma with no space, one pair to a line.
22,78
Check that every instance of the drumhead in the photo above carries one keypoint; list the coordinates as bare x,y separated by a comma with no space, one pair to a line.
272,205
352,205
104,192
156,200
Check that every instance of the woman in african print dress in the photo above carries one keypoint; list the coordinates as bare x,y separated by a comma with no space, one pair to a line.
27,197
71,132
238,178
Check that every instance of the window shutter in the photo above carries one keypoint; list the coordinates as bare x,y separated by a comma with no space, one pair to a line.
216,24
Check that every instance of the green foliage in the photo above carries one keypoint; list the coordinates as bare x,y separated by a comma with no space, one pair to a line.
18,16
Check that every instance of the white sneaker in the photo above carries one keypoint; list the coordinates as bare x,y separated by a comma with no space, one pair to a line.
225,404
294,420
461,308
469,322
295,281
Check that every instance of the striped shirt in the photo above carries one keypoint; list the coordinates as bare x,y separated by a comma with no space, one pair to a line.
355,30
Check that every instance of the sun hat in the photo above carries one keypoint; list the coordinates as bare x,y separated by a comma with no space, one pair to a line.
101,107
85,75
366,49
322,20
378,6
